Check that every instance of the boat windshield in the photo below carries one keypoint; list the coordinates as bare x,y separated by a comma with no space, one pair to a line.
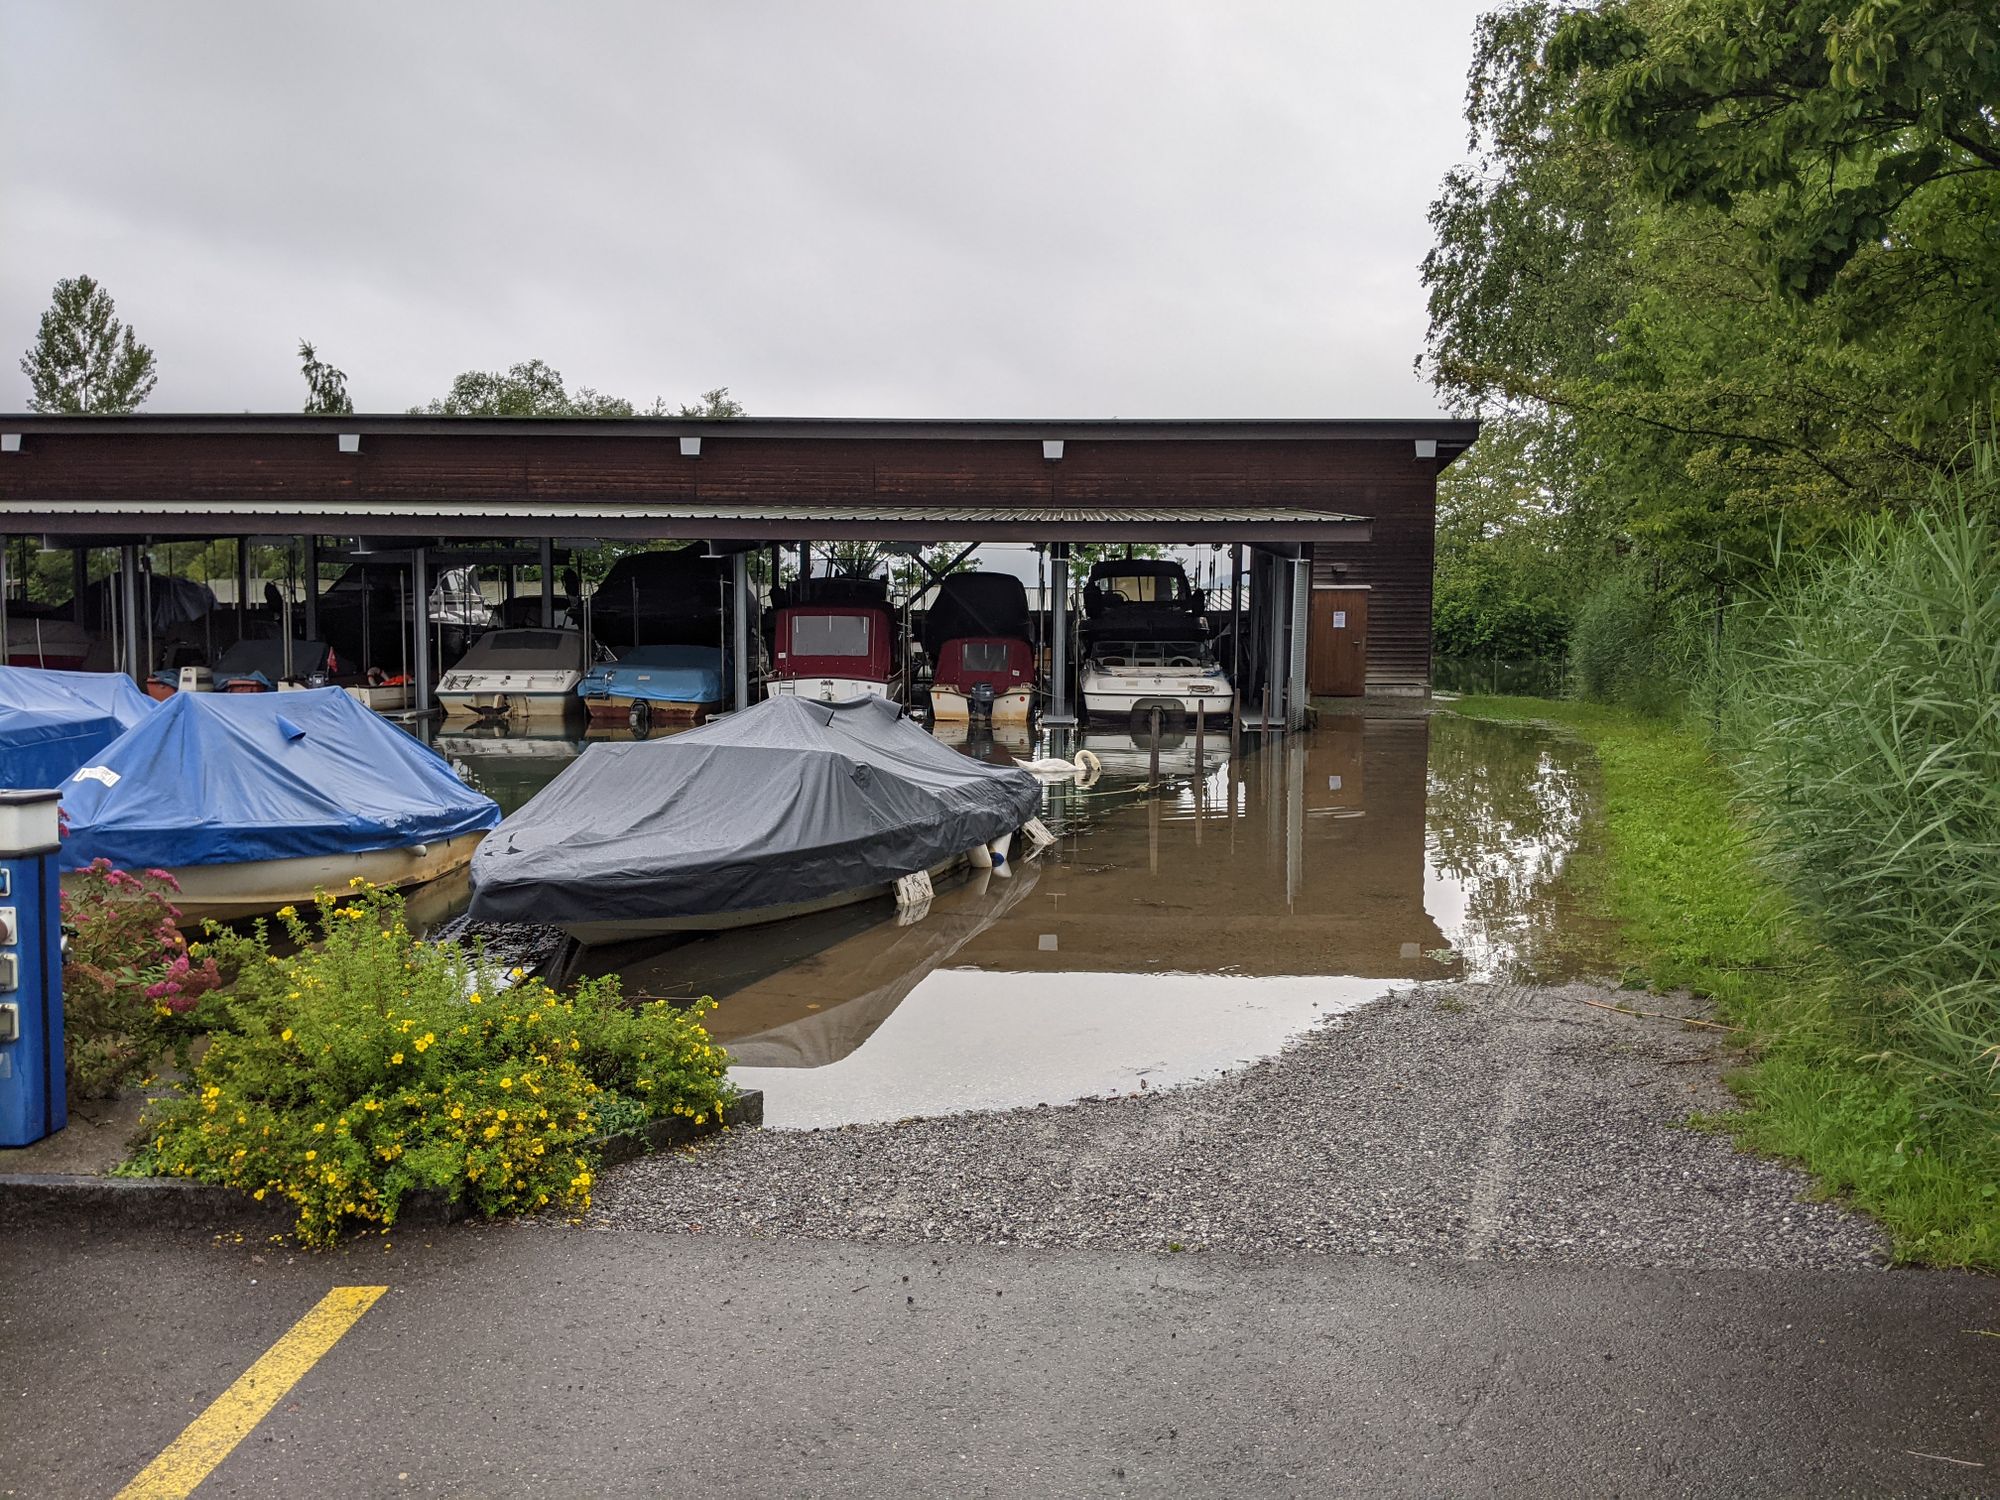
829,635
1153,654
1142,588
983,656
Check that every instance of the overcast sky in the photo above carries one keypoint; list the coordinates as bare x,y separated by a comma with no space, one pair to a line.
926,209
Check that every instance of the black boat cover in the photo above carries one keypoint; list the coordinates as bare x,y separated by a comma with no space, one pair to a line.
976,604
789,801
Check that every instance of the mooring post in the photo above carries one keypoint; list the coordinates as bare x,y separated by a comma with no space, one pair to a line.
1153,763
1200,725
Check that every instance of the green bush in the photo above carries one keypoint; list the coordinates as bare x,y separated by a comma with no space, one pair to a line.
1481,610
368,1065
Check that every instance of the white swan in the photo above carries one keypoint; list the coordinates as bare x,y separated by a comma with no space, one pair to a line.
1084,768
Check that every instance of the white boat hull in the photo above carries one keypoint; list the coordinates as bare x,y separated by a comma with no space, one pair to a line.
258,886
1110,696
949,706
831,689
617,708
500,700
382,699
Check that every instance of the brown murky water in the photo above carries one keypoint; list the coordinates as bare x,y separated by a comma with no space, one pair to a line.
1198,910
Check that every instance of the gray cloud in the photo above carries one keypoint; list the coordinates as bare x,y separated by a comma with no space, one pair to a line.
1135,209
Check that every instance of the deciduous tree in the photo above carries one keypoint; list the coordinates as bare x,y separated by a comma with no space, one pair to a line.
326,387
83,358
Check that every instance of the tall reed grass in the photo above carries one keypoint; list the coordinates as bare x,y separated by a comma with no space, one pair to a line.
1858,703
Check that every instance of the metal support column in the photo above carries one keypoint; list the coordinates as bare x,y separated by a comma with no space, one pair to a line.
128,604
548,582
6,646
1301,600
1060,711
739,625
1275,657
79,581
420,610
1236,683
242,587
310,567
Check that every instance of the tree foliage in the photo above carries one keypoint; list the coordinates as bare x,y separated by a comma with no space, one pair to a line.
534,388
326,387
714,404
84,360
1730,270
1845,112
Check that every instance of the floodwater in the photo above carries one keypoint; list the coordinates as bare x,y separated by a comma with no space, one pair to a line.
1199,909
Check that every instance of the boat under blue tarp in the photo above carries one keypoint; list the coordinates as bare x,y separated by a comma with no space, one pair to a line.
658,674
52,722
225,778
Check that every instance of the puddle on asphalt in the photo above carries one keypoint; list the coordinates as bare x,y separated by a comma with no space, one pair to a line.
1197,912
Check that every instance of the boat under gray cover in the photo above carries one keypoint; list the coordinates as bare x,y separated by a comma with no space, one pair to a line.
790,801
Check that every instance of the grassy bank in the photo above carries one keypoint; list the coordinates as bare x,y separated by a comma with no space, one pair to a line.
1694,907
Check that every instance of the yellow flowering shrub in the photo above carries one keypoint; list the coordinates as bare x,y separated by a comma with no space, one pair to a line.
366,1065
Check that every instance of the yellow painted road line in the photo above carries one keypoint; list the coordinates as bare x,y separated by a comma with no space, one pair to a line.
208,1440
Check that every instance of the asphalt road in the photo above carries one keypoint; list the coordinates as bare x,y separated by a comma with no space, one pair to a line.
550,1361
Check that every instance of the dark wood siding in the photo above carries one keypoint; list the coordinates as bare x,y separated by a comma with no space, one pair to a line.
1396,565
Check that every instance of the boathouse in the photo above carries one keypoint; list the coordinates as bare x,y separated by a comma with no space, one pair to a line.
1336,518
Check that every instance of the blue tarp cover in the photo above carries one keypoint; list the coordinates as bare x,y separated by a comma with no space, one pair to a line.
52,722
659,674
215,778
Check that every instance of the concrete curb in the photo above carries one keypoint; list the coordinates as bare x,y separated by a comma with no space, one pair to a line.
88,1201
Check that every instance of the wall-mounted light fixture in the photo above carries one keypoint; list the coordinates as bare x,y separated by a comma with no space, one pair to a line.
690,447
1052,449
350,442
1427,447
10,442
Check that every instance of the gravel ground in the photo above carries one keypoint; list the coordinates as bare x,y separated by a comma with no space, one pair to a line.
1482,1122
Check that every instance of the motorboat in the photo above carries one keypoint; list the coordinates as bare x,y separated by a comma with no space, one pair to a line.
1182,679
679,684
35,639
1146,644
53,722
252,801
982,662
670,597
365,615
836,640
516,674
787,807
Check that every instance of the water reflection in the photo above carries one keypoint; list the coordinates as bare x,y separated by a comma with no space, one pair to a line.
1204,901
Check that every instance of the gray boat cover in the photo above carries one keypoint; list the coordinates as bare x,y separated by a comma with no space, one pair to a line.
785,802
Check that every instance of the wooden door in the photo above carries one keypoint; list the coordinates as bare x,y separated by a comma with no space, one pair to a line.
1337,645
